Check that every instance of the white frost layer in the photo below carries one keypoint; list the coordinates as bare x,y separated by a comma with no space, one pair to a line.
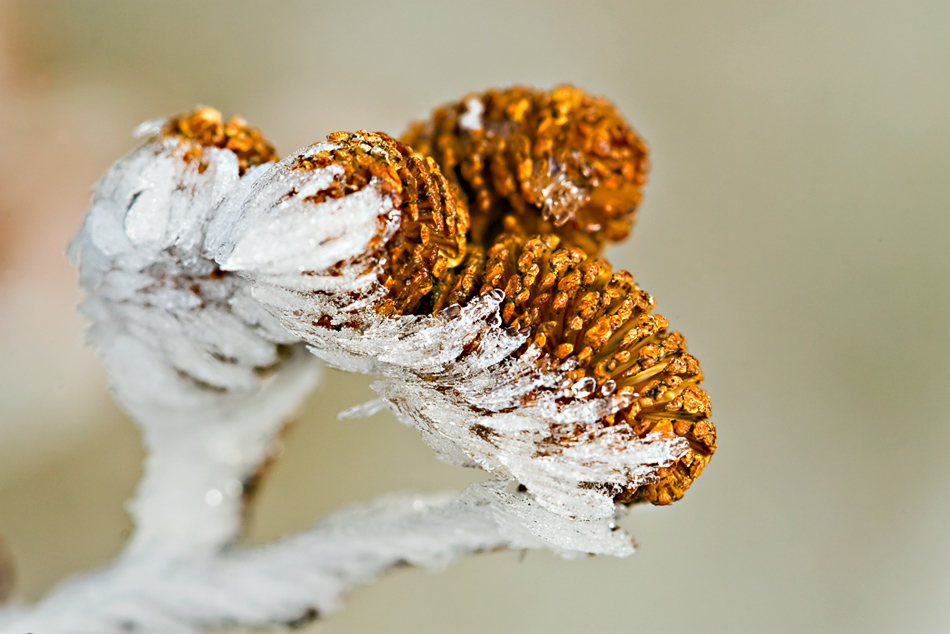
279,232
455,378
308,574
206,372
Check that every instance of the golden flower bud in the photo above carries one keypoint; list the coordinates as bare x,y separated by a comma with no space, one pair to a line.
576,307
204,127
535,161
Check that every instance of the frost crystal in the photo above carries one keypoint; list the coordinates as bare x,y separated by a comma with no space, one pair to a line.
472,118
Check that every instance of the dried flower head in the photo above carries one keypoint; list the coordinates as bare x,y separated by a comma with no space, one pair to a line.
577,308
535,161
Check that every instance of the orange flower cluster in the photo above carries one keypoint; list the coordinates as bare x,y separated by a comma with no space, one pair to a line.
548,178
517,192
551,177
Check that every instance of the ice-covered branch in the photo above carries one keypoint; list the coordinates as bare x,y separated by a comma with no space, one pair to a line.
307,575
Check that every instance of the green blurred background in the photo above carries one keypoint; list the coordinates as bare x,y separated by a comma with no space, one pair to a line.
795,229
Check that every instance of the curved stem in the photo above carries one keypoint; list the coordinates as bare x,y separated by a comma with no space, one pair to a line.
307,575
201,448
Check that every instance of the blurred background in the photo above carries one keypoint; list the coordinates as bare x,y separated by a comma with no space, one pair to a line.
795,229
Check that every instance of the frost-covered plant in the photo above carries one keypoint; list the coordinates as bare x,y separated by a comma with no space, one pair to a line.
474,294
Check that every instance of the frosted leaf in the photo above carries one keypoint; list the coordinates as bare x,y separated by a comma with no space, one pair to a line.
140,254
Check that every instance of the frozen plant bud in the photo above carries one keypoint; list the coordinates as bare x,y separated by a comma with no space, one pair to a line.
359,208
145,259
207,373
539,161
357,245
205,128
577,308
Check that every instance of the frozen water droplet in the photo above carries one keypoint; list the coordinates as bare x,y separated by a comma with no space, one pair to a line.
452,311
496,295
511,332
626,398
584,387
494,320
471,119
214,497
569,364
609,387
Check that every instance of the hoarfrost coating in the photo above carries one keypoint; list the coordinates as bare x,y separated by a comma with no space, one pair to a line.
454,375
206,285
206,372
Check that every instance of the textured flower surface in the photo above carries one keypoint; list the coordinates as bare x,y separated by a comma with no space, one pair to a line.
478,298
560,161
533,360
